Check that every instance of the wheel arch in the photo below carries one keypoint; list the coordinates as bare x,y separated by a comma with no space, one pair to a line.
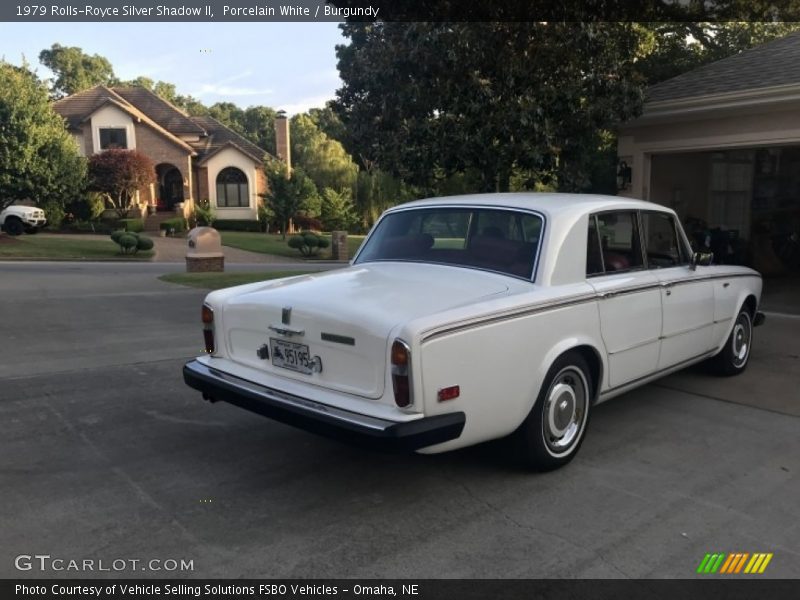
586,350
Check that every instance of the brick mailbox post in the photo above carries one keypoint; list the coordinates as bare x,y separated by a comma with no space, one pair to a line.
204,253
339,245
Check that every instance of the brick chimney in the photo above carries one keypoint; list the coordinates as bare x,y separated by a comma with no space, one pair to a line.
282,140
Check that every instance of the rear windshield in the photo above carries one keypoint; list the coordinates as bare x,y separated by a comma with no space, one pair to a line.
499,240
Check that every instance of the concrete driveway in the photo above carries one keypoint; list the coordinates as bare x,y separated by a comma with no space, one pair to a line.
106,454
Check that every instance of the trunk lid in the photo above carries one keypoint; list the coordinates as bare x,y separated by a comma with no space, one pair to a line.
346,317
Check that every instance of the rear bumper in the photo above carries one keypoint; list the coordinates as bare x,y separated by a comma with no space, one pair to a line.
320,418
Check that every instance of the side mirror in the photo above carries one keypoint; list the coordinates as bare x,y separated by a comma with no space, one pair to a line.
702,259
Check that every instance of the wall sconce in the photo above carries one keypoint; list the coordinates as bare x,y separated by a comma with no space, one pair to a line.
624,173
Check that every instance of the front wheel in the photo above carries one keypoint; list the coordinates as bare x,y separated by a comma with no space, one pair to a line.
13,226
735,354
553,431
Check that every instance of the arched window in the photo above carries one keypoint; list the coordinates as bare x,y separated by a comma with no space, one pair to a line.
232,188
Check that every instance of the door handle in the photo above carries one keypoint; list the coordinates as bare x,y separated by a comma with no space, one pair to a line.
667,287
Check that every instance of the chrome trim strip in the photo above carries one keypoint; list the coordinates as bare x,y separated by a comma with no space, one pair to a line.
687,330
637,345
524,312
303,404
553,305
337,339
287,330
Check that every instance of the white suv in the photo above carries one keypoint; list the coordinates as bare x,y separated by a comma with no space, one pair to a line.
16,219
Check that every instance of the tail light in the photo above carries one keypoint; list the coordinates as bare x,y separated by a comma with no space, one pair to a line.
208,328
401,374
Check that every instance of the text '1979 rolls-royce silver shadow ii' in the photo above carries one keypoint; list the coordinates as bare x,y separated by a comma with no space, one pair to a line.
471,318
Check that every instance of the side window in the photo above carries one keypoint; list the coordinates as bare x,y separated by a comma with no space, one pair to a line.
620,248
664,247
594,257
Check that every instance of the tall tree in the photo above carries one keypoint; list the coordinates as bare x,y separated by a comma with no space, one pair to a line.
287,196
75,70
323,159
38,159
428,98
118,174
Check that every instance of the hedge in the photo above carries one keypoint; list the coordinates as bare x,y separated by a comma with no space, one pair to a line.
178,225
132,225
237,225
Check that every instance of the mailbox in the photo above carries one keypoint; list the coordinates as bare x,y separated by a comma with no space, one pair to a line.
204,251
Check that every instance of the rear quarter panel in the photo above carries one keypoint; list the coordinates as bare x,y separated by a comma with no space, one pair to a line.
500,365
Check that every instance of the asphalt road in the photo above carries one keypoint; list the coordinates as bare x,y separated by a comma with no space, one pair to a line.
106,454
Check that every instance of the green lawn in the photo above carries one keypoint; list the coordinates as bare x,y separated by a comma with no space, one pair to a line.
215,281
267,243
47,247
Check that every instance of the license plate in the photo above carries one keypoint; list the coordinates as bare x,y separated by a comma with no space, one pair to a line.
288,355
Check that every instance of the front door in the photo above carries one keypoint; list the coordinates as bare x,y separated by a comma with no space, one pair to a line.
687,298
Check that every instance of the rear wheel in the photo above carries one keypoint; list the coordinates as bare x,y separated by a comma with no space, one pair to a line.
552,433
13,226
735,354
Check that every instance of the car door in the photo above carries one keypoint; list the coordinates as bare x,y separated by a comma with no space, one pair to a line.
687,295
629,296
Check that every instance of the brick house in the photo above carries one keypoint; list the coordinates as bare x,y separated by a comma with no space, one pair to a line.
196,158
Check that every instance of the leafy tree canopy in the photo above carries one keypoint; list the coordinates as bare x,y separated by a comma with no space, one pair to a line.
422,98
38,159
323,159
118,174
75,70
287,196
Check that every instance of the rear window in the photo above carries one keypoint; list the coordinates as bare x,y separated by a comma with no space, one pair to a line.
499,240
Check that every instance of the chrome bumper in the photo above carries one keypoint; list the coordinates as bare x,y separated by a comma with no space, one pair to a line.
320,418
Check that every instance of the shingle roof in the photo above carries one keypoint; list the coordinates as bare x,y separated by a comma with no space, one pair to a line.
159,114
162,112
220,136
772,64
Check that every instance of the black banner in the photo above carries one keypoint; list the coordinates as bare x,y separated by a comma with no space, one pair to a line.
425,589
395,10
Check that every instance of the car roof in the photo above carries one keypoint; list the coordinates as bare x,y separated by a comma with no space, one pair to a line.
549,204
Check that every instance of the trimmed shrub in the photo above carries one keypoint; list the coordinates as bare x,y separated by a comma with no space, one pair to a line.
238,225
132,225
128,243
115,235
145,243
308,243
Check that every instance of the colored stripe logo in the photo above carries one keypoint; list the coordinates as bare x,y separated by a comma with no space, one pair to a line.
734,563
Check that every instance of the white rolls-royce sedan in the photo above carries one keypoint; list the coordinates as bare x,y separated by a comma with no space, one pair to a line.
469,318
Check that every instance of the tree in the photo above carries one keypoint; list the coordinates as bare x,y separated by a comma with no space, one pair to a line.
337,210
287,195
75,70
323,159
118,175
39,160
423,99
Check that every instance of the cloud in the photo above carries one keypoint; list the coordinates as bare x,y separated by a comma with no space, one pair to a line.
305,104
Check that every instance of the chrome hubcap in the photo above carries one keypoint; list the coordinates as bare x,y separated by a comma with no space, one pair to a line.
742,333
565,410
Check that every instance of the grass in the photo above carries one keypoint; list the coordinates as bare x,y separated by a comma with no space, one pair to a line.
215,281
268,243
50,247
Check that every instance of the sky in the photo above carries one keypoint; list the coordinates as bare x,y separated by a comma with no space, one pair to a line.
289,66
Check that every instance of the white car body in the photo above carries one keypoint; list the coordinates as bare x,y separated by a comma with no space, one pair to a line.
494,335
29,218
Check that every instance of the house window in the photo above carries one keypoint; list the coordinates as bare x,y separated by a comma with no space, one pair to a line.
113,138
232,188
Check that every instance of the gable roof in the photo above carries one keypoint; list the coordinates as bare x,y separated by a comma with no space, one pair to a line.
219,137
162,112
79,107
776,63
148,107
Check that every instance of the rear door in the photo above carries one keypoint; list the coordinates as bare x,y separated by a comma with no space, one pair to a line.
629,295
